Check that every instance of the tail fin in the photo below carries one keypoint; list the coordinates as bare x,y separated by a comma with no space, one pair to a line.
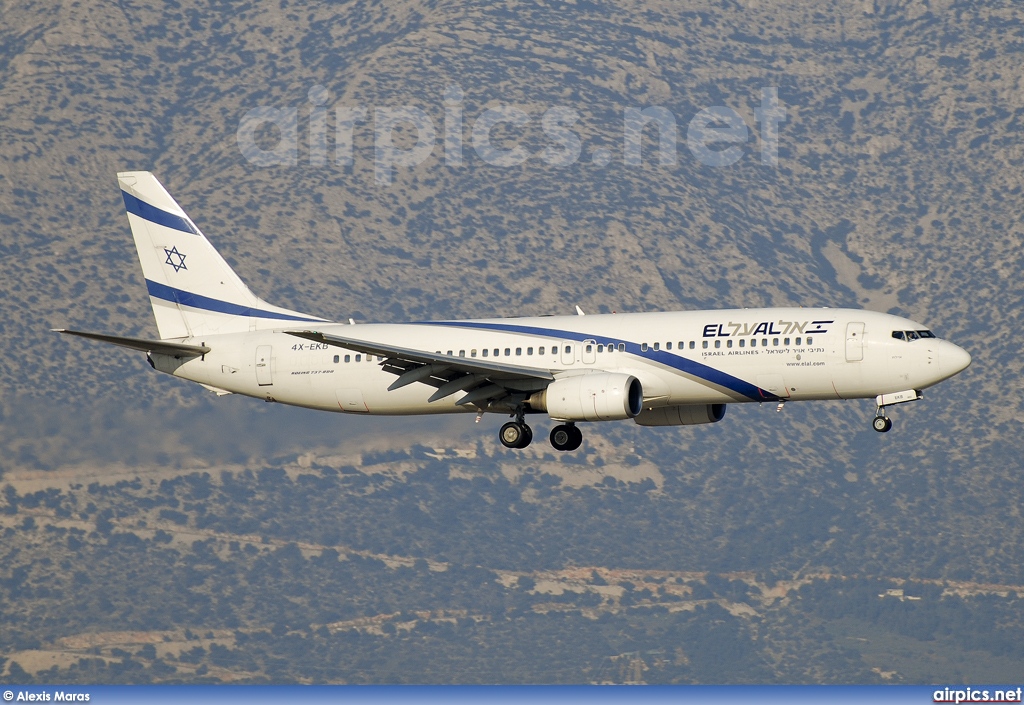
193,291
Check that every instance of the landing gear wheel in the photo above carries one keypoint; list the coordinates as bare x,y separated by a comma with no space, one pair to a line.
527,436
560,437
565,437
577,438
515,435
881,424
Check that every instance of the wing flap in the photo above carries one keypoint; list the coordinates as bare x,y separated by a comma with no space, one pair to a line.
412,373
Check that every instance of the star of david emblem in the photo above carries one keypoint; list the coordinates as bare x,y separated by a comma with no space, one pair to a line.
175,259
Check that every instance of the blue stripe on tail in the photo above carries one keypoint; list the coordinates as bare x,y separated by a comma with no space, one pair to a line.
205,303
153,214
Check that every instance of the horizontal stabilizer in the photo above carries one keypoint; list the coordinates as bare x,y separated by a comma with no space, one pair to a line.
160,347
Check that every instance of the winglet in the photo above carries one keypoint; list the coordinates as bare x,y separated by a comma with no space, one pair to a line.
579,311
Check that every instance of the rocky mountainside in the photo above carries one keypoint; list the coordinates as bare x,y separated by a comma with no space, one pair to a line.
897,187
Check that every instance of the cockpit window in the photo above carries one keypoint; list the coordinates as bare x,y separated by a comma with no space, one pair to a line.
909,335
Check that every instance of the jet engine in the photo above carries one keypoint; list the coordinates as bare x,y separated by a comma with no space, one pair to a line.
598,396
688,415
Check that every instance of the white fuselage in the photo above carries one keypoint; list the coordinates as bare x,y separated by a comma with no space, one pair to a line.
680,358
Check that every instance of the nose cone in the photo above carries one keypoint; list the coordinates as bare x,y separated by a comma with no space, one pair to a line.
953,359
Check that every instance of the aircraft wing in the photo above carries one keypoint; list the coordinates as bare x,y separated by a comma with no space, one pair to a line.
160,347
483,381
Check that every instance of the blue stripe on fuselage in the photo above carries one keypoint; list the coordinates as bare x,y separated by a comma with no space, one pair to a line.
205,303
153,214
684,365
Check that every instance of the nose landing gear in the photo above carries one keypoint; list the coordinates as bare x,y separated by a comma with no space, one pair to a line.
881,423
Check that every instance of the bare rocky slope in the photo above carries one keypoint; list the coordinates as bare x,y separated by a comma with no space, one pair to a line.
897,188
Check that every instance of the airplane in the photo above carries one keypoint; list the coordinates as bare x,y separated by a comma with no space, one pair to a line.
658,369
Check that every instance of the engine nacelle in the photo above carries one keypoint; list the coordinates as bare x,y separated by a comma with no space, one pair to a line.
599,396
688,415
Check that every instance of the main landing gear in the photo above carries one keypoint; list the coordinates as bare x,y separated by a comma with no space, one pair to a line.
516,434
566,437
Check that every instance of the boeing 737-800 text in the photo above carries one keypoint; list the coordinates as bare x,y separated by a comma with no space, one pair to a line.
658,369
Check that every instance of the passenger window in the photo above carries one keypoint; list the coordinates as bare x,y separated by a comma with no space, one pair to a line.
359,358
622,347
519,351
810,340
529,351
753,342
704,344
348,358
657,346
337,359
775,342
449,355
600,347
668,346
589,347
643,347
484,352
462,353
568,348
718,343
692,345
742,342
540,350
472,353
728,343
508,352
764,342
786,342
496,351
798,341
